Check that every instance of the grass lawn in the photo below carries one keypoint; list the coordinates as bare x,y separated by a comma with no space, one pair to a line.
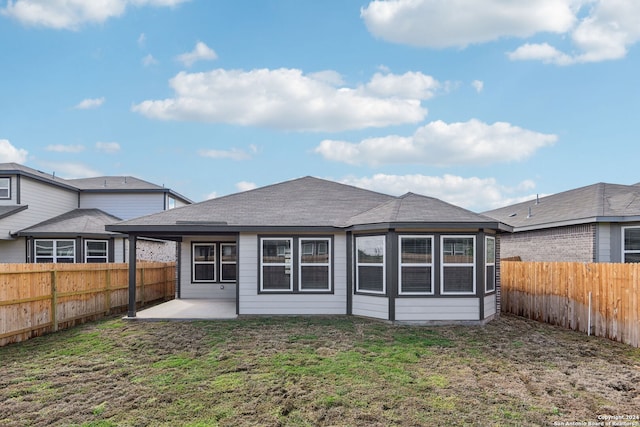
299,371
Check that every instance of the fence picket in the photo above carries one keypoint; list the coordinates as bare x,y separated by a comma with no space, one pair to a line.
40,298
558,293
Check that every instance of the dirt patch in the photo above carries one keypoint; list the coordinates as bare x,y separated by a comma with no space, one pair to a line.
316,371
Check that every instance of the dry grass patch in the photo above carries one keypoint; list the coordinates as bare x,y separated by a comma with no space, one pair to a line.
315,371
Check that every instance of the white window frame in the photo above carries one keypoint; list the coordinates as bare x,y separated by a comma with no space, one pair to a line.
5,187
444,265
411,264
624,252
54,255
86,250
382,264
194,262
285,264
489,263
222,262
317,250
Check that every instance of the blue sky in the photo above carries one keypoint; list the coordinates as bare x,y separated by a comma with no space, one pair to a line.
478,103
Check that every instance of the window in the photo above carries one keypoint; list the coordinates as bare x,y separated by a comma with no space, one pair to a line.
228,261
95,251
416,265
370,259
490,264
5,188
315,265
275,264
171,202
631,244
458,265
56,251
204,262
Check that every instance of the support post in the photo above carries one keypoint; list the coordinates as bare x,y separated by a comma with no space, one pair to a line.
132,275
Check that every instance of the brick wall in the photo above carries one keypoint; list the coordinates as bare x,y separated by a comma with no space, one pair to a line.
573,243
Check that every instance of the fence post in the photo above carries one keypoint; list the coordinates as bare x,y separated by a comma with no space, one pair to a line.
142,296
107,294
54,300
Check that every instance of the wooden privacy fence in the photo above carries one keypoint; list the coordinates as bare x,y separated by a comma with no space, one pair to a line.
40,298
596,298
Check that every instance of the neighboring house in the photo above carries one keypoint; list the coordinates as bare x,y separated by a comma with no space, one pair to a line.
311,246
44,218
596,223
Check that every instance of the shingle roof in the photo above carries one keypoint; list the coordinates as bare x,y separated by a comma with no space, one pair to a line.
597,202
6,211
305,202
416,208
100,183
85,222
113,183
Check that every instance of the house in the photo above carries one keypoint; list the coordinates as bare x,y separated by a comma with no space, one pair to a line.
312,246
596,223
44,218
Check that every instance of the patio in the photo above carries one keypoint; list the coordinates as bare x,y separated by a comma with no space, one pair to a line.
189,309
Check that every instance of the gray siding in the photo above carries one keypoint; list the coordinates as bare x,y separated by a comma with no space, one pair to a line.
13,251
603,243
252,302
45,201
437,309
123,205
202,290
371,306
489,305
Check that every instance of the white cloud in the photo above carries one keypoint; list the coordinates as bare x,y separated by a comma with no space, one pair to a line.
211,195
89,103
541,52
233,154
283,99
201,52
142,40
608,31
478,85
60,148
600,30
71,170
11,154
442,144
108,147
245,186
411,85
605,33
477,194
438,24
73,14
149,60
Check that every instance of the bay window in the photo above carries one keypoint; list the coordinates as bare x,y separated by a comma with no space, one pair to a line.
370,264
416,265
490,264
458,265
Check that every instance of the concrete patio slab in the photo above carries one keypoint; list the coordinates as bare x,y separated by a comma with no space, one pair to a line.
189,309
